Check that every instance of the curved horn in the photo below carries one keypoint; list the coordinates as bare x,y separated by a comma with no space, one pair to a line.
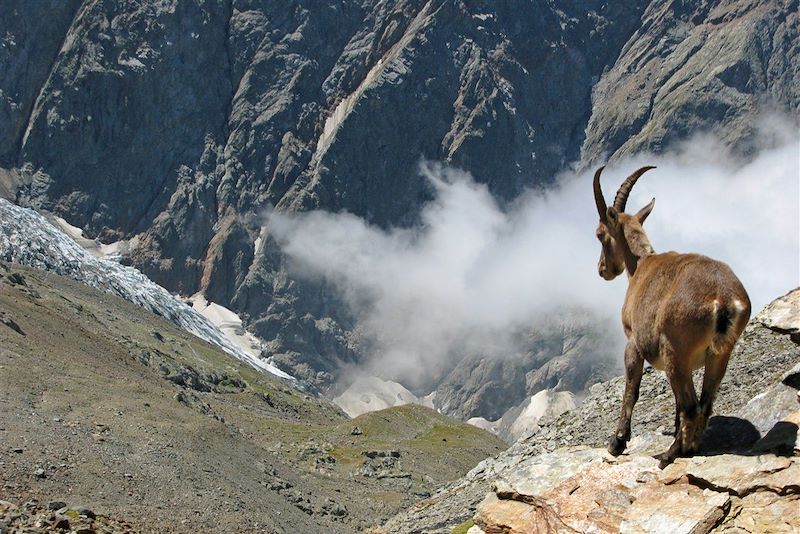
598,195
625,189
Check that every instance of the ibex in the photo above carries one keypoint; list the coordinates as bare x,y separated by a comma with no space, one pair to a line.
681,312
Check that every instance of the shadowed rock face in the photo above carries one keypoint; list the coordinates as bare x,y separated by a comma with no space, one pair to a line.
181,122
691,67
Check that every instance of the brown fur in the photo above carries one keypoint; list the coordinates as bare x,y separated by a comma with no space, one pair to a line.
681,312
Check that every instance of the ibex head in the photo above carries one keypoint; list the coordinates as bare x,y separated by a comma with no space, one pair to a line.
618,231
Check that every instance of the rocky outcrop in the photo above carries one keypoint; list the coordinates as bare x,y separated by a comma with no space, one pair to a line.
55,516
587,490
783,315
755,426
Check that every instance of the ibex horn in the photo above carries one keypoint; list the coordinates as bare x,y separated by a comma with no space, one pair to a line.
598,195
625,189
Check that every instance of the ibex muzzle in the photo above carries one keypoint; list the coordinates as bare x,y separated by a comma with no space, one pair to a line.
681,312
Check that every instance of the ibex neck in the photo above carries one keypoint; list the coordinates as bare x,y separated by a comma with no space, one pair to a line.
637,246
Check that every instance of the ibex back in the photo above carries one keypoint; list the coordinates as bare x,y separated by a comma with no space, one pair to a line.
681,312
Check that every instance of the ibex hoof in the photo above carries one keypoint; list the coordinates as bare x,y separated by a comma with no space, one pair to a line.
616,446
667,457
664,459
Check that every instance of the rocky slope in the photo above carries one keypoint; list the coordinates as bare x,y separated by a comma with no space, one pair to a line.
178,123
735,482
111,409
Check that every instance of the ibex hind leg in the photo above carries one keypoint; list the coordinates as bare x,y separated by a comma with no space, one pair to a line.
716,364
729,326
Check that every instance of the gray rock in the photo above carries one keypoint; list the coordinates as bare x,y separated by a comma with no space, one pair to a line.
783,315
55,505
61,522
83,511
696,67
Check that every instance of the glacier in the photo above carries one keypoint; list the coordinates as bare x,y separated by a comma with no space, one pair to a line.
28,238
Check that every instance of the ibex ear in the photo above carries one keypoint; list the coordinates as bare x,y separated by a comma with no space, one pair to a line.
642,214
612,216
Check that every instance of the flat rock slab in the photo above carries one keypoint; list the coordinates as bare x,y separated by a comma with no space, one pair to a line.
586,490
739,475
783,314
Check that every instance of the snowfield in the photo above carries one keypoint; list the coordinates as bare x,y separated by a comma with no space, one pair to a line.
27,238
370,394
524,418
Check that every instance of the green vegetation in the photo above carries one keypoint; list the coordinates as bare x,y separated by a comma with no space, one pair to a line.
463,527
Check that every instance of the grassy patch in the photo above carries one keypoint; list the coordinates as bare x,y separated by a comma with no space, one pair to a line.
463,527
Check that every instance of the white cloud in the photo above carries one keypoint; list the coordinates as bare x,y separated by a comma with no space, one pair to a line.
471,274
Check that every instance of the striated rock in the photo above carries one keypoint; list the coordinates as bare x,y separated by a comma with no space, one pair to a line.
586,490
739,475
763,512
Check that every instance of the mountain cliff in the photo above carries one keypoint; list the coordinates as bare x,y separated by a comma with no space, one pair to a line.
174,126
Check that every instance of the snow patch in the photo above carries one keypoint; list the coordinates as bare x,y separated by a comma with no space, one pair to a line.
524,418
545,402
370,394
260,239
483,423
111,251
230,324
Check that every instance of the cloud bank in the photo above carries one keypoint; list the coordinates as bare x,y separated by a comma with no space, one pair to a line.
472,275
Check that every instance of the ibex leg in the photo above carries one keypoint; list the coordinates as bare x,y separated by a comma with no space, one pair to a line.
680,379
716,364
634,365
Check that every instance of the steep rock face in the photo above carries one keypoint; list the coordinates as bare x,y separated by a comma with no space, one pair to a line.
180,123
757,414
26,55
568,354
711,66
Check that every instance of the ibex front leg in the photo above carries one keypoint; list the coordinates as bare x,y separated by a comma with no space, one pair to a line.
634,366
